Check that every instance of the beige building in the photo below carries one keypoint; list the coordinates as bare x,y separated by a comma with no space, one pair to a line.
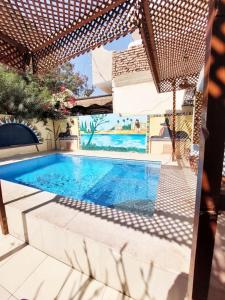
126,75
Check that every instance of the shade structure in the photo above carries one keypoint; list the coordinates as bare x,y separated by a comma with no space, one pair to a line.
47,33
51,32
174,35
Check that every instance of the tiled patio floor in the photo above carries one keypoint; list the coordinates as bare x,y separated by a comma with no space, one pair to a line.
27,273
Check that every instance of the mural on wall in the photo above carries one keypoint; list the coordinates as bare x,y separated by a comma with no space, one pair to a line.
165,130
66,128
66,132
161,134
113,132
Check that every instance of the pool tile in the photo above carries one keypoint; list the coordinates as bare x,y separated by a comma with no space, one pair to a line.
111,268
111,294
152,282
78,254
80,286
45,282
92,253
34,234
10,189
56,214
9,246
96,226
4,294
33,202
74,286
20,267
53,240
15,222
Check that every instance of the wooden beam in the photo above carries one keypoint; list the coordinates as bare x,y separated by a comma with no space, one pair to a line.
147,35
208,196
13,43
23,51
92,16
3,219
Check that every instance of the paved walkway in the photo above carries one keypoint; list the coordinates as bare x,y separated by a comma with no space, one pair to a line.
27,273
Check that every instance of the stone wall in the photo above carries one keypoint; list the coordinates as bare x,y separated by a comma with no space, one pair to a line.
129,61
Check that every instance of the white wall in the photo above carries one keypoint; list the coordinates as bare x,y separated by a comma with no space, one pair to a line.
142,98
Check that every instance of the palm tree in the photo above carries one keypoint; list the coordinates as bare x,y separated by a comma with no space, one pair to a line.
124,123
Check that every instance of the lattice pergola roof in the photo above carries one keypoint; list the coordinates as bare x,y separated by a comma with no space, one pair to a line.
174,33
48,33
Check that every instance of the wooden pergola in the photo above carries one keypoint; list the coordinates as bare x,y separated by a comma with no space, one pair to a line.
45,33
178,39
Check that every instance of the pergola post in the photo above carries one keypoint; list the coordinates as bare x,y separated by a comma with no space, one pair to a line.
174,123
3,219
209,201
54,134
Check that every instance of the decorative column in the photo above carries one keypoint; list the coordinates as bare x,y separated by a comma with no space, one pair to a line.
3,219
54,133
197,117
209,200
174,123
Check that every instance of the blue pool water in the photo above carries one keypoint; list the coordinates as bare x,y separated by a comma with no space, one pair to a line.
138,141
126,184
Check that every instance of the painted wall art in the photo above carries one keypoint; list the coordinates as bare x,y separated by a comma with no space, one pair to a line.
160,139
113,132
161,126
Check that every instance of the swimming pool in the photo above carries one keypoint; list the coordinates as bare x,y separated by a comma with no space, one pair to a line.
126,184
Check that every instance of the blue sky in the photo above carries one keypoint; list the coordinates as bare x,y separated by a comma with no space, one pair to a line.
83,62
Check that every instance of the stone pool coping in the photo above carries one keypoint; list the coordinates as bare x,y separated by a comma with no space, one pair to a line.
123,250
164,158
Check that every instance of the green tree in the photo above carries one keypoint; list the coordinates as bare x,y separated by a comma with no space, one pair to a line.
124,124
95,123
21,96
66,76
83,126
31,96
